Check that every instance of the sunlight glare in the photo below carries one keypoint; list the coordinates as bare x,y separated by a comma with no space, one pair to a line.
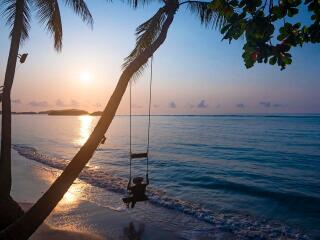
73,195
85,129
68,197
86,77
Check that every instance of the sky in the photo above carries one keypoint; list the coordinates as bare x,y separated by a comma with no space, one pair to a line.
194,72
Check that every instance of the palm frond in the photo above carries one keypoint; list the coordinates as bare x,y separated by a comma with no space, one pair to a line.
146,34
81,8
207,17
49,14
11,8
140,3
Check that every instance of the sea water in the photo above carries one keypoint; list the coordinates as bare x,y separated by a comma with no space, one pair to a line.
231,171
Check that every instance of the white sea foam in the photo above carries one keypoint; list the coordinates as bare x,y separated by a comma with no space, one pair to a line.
231,223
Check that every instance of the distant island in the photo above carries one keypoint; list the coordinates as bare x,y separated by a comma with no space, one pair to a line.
63,112
24,113
98,113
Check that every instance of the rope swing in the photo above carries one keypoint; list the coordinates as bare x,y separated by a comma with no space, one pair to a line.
143,154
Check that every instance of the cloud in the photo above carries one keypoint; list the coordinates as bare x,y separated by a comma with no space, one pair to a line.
60,103
74,103
269,104
156,105
16,101
98,105
218,105
276,105
172,105
202,104
189,105
39,103
265,104
240,105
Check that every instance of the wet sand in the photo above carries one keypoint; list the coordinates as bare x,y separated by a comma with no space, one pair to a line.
75,218
46,231
80,216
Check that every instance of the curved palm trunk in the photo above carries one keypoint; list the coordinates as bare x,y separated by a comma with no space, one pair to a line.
32,219
10,211
5,160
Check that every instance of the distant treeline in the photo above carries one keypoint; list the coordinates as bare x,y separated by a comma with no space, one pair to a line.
64,112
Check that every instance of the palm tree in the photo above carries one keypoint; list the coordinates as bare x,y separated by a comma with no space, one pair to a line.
150,36
18,15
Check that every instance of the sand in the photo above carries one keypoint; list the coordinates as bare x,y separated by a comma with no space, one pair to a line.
75,218
45,231
78,215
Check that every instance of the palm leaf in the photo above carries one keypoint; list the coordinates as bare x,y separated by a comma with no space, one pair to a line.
146,34
49,14
80,8
140,3
9,13
207,17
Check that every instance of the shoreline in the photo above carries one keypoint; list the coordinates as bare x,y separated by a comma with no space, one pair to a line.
27,188
77,212
97,114
75,218
48,232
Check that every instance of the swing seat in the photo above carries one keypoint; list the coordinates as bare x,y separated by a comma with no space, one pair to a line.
139,155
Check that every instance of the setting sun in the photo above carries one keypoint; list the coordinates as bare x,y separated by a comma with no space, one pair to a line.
86,77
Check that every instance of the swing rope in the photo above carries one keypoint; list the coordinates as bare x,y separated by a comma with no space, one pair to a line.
130,130
149,122
149,113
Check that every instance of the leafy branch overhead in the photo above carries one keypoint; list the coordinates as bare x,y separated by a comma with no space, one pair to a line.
270,29
146,34
48,14
149,31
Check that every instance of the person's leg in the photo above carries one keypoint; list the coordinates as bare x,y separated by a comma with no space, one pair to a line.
127,200
133,203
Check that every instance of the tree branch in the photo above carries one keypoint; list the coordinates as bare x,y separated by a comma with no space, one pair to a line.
192,2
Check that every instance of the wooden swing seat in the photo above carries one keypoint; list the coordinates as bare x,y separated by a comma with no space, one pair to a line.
139,155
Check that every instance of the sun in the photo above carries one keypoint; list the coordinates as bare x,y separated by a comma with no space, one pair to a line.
86,77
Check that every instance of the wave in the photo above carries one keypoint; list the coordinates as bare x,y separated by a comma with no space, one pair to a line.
236,223
295,200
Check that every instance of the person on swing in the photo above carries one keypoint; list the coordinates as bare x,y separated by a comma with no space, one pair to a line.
137,191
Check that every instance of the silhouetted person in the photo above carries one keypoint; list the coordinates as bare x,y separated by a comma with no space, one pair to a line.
137,191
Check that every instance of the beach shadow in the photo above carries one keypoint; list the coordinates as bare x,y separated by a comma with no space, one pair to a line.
131,233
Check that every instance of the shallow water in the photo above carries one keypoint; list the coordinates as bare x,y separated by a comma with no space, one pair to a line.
208,167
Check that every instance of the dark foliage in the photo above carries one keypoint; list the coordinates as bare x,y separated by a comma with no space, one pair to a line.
271,29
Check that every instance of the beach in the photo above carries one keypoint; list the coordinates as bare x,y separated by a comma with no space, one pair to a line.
239,186
74,218
79,219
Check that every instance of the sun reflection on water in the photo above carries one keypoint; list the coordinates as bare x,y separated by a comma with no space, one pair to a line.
69,197
85,129
74,194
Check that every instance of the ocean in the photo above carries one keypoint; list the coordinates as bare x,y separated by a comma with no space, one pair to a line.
233,172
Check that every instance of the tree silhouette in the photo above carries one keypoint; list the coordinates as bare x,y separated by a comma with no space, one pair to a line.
17,14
